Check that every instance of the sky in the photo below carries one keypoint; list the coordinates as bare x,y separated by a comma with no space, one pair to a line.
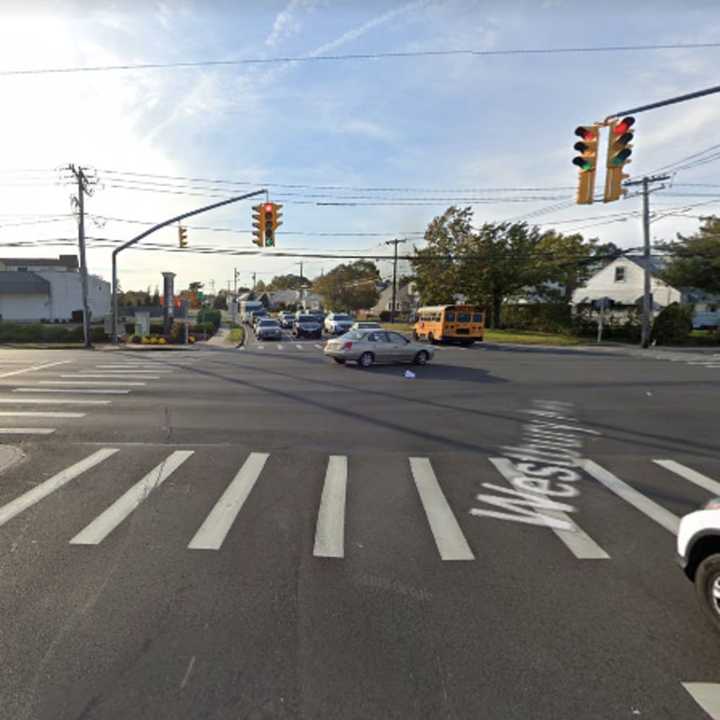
396,140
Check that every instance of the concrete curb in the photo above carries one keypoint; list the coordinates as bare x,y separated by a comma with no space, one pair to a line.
10,455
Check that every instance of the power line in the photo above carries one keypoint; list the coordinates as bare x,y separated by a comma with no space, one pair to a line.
359,56
352,188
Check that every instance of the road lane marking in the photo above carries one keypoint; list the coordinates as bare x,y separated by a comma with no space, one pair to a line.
217,524
71,390
693,476
646,506
330,529
89,382
260,347
580,544
299,347
319,347
26,431
108,520
280,347
707,696
449,538
34,368
117,376
28,499
51,401
29,413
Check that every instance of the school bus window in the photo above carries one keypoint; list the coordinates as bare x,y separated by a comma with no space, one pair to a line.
463,317
450,316
477,317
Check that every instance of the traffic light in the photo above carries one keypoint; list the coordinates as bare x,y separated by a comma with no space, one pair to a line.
586,162
182,236
619,152
258,216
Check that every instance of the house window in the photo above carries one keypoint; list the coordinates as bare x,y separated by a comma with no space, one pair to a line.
620,274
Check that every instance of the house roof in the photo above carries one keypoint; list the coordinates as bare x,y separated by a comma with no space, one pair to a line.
70,262
22,283
657,262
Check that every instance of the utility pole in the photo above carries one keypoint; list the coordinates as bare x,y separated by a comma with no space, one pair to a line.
395,242
83,187
253,277
235,279
647,275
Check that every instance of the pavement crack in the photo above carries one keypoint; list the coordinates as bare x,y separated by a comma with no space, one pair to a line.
167,427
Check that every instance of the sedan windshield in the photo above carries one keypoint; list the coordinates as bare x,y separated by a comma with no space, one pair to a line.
268,323
342,317
307,319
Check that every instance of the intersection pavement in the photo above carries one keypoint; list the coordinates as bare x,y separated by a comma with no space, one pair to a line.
260,533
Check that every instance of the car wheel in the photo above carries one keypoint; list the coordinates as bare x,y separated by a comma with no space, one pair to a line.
421,358
339,361
366,360
707,587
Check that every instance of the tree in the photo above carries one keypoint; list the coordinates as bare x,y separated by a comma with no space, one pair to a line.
195,287
486,265
695,260
155,300
288,282
260,287
349,287
220,301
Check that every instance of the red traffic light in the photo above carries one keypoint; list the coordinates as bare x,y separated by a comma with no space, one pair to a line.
268,207
624,125
586,133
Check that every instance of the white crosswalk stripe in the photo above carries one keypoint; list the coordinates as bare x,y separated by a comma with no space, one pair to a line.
91,382
692,475
28,499
26,431
449,538
33,368
330,529
94,391
115,376
575,538
51,401
332,507
214,530
31,413
107,521
644,504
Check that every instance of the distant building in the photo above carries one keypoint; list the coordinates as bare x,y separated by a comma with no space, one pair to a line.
622,281
407,300
48,289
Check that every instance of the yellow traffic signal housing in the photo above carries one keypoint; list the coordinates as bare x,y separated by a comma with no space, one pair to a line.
182,236
258,216
618,154
272,214
586,161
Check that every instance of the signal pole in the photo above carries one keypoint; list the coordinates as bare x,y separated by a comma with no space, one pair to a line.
83,187
647,294
395,242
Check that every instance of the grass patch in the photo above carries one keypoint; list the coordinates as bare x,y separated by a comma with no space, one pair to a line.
236,335
522,337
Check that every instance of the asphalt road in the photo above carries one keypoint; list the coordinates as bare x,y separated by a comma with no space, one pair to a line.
260,533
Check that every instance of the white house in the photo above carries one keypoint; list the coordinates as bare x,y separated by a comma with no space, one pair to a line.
622,280
49,289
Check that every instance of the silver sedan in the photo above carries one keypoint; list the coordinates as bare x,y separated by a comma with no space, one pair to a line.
366,347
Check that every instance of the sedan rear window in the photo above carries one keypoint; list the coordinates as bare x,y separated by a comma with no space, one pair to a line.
268,323
307,318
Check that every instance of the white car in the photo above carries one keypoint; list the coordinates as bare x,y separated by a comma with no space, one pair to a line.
366,325
338,323
698,549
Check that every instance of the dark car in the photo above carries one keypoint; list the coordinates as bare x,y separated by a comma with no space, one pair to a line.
307,326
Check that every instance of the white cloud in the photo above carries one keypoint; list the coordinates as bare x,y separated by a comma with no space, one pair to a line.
287,22
365,127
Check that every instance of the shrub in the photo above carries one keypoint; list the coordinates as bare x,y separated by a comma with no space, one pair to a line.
214,317
673,325
541,317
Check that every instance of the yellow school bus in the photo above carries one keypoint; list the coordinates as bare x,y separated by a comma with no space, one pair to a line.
462,324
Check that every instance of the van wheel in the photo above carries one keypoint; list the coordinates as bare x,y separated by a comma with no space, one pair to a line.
366,360
421,358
